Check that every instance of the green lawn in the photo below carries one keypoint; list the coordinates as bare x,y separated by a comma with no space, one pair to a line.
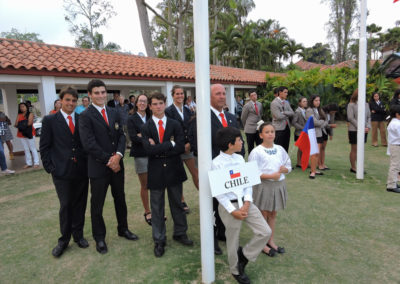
336,229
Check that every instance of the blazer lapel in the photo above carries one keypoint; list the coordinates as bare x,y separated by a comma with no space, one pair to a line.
215,120
154,132
98,116
63,123
177,113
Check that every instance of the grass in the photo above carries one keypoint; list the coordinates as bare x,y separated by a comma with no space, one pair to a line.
336,229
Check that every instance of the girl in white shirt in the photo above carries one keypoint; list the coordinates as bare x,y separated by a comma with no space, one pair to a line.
271,195
394,149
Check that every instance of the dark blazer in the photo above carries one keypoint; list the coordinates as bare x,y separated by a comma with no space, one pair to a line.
171,112
134,128
111,103
100,140
61,152
165,165
380,112
215,125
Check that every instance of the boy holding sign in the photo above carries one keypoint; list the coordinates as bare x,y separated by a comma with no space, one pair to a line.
234,208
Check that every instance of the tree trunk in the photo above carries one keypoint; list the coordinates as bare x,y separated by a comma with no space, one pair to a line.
181,39
171,46
145,28
214,53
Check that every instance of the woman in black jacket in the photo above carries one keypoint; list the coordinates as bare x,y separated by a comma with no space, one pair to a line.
378,115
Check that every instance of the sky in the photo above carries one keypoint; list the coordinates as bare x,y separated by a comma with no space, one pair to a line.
305,20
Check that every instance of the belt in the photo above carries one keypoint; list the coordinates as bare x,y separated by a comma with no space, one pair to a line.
235,200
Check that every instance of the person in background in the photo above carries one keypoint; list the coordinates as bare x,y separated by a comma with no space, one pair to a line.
83,106
3,164
330,111
115,101
135,123
394,149
190,104
252,113
238,110
57,106
396,98
299,121
132,102
26,133
5,133
352,116
123,110
378,117
282,113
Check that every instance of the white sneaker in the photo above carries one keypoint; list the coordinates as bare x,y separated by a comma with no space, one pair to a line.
8,172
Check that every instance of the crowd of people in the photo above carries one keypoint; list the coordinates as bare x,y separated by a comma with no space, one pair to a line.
82,145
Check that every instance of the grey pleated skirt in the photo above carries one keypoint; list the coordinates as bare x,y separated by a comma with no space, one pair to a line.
270,195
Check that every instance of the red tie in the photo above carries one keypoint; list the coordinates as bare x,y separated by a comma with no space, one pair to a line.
71,124
255,106
224,123
160,130
103,112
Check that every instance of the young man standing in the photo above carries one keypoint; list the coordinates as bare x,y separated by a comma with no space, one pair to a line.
104,140
251,114
164,142
63,156
281,113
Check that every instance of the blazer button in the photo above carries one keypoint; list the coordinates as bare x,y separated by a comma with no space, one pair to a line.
112,143
73,149
165,165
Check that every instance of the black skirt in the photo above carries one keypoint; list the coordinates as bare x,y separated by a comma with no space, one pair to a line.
353,137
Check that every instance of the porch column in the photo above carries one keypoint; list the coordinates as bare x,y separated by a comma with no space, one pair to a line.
47,94
11,110
230,98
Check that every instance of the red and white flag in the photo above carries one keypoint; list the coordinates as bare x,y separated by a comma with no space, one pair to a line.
307,143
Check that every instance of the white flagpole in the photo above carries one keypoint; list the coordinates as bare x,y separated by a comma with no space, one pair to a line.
202,66
362,80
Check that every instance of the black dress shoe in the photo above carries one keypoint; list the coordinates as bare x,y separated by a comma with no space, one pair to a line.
242,279
183,239
396,190
272,252
217,249
128,235
101,247
242,261
311,177
82,243
279,250
59,249
159,249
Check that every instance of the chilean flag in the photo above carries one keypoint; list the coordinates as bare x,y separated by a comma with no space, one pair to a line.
233,174
394,1
307,142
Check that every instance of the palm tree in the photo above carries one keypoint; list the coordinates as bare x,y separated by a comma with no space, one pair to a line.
292,49
226,43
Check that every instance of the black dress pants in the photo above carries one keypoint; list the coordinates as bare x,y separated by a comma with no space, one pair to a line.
282,137
157,203
251,139
98,189
72,194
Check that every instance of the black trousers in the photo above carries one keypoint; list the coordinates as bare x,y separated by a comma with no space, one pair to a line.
98,189
157,203
72,194
251,139
282,137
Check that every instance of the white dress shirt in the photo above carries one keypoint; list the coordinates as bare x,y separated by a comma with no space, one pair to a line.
393,133
179,111
142,117
164,120
66,117
217,113
269,160
223,161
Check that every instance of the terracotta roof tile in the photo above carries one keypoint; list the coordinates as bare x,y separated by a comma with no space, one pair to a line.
36,56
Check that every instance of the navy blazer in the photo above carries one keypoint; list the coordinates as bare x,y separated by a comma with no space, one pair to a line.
165,166
185,123
215,125
135,124
380,112
101,140
61,151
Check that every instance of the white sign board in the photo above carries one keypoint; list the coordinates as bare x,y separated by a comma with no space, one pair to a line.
234,178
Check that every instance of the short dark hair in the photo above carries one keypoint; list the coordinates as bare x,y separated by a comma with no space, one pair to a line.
226,136
394,109
252,91
281,89
157,96
68,90
276,90
131,96
265,124
95,83
86,97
